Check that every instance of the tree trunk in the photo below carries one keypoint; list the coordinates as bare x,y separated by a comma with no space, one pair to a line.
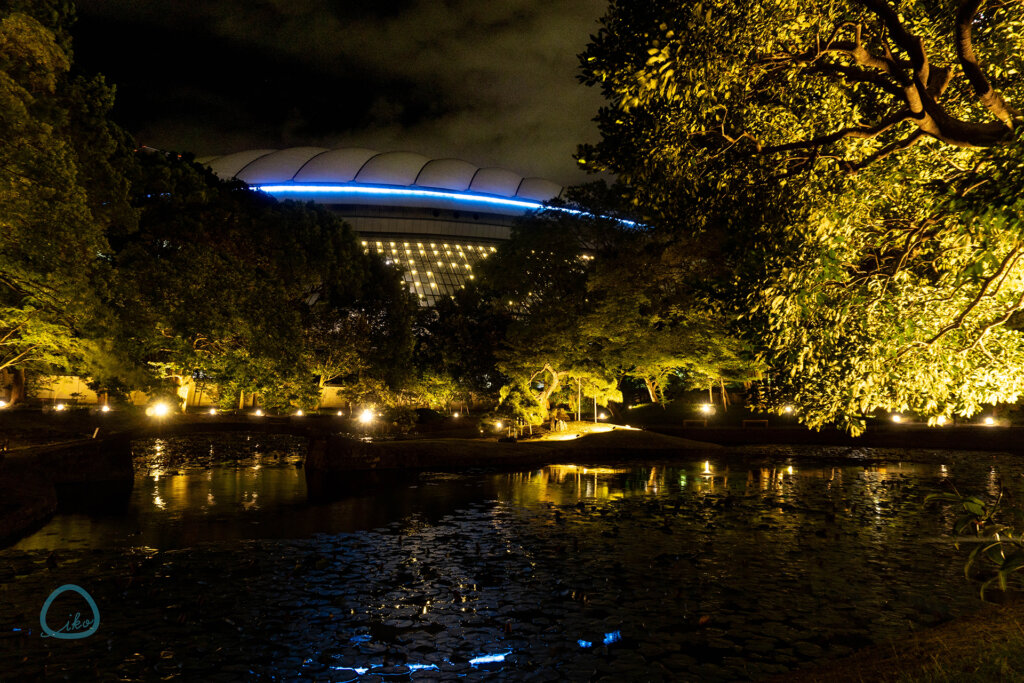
725,395
652,389
184,398
549,389
17,384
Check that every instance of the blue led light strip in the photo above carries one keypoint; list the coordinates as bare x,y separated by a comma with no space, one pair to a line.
397,192
370,190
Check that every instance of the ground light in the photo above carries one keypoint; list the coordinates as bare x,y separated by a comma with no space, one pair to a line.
161,410
299,413
339,413
3,404
455,414
897,418
258,413
940,420
59,406
213,411
989,421
788,410
705,408
105,408
366,417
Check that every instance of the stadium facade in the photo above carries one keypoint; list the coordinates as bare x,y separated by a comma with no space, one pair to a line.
436,218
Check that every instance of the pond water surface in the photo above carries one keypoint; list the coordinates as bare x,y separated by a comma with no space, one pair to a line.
737,566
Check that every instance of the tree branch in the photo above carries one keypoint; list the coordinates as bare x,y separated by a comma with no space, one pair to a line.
992,100
854,73
863,132
897,146
1004,267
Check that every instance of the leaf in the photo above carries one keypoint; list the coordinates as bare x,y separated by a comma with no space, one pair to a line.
974,507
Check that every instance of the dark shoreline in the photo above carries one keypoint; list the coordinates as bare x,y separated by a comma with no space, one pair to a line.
952,438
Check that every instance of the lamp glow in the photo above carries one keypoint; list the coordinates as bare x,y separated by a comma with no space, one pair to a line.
339,413
788,410
59,406
705,408
940,420
3,404
602,416
366,417
213,411
989,421
299,413
105,408
258,413
161,410
455,414
498,424
707,467
897,418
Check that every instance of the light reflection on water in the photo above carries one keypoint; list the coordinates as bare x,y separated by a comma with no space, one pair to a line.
745,553
197,490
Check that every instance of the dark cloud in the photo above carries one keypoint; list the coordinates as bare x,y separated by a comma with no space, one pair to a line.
491,82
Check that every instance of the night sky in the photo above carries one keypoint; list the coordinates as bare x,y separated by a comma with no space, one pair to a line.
492,82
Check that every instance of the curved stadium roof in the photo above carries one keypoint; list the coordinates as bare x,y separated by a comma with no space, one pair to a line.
357,175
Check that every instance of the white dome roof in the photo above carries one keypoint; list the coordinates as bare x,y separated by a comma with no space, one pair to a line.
355,165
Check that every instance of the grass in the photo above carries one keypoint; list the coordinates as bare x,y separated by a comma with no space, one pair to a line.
987,646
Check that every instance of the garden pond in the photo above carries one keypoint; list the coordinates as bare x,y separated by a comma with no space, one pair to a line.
733,564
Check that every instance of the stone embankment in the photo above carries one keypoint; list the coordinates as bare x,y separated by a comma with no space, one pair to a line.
339,454
34,480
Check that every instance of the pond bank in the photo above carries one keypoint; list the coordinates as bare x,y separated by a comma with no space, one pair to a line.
34,480
987,646
959,437
337,453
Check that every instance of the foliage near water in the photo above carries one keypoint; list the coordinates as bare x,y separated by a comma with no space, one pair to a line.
996,558
820,198
850,170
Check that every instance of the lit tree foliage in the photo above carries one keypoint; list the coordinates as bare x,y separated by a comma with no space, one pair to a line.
538,282
653,321
856,163
588,300
59,190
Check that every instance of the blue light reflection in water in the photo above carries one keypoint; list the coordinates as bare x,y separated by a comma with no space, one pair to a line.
580,538
489,659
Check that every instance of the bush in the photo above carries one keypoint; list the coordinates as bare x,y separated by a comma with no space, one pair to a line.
401,419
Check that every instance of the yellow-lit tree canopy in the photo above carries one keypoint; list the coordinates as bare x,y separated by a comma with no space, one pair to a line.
856,167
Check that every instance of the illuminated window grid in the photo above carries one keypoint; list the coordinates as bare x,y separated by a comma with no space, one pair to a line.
433,269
